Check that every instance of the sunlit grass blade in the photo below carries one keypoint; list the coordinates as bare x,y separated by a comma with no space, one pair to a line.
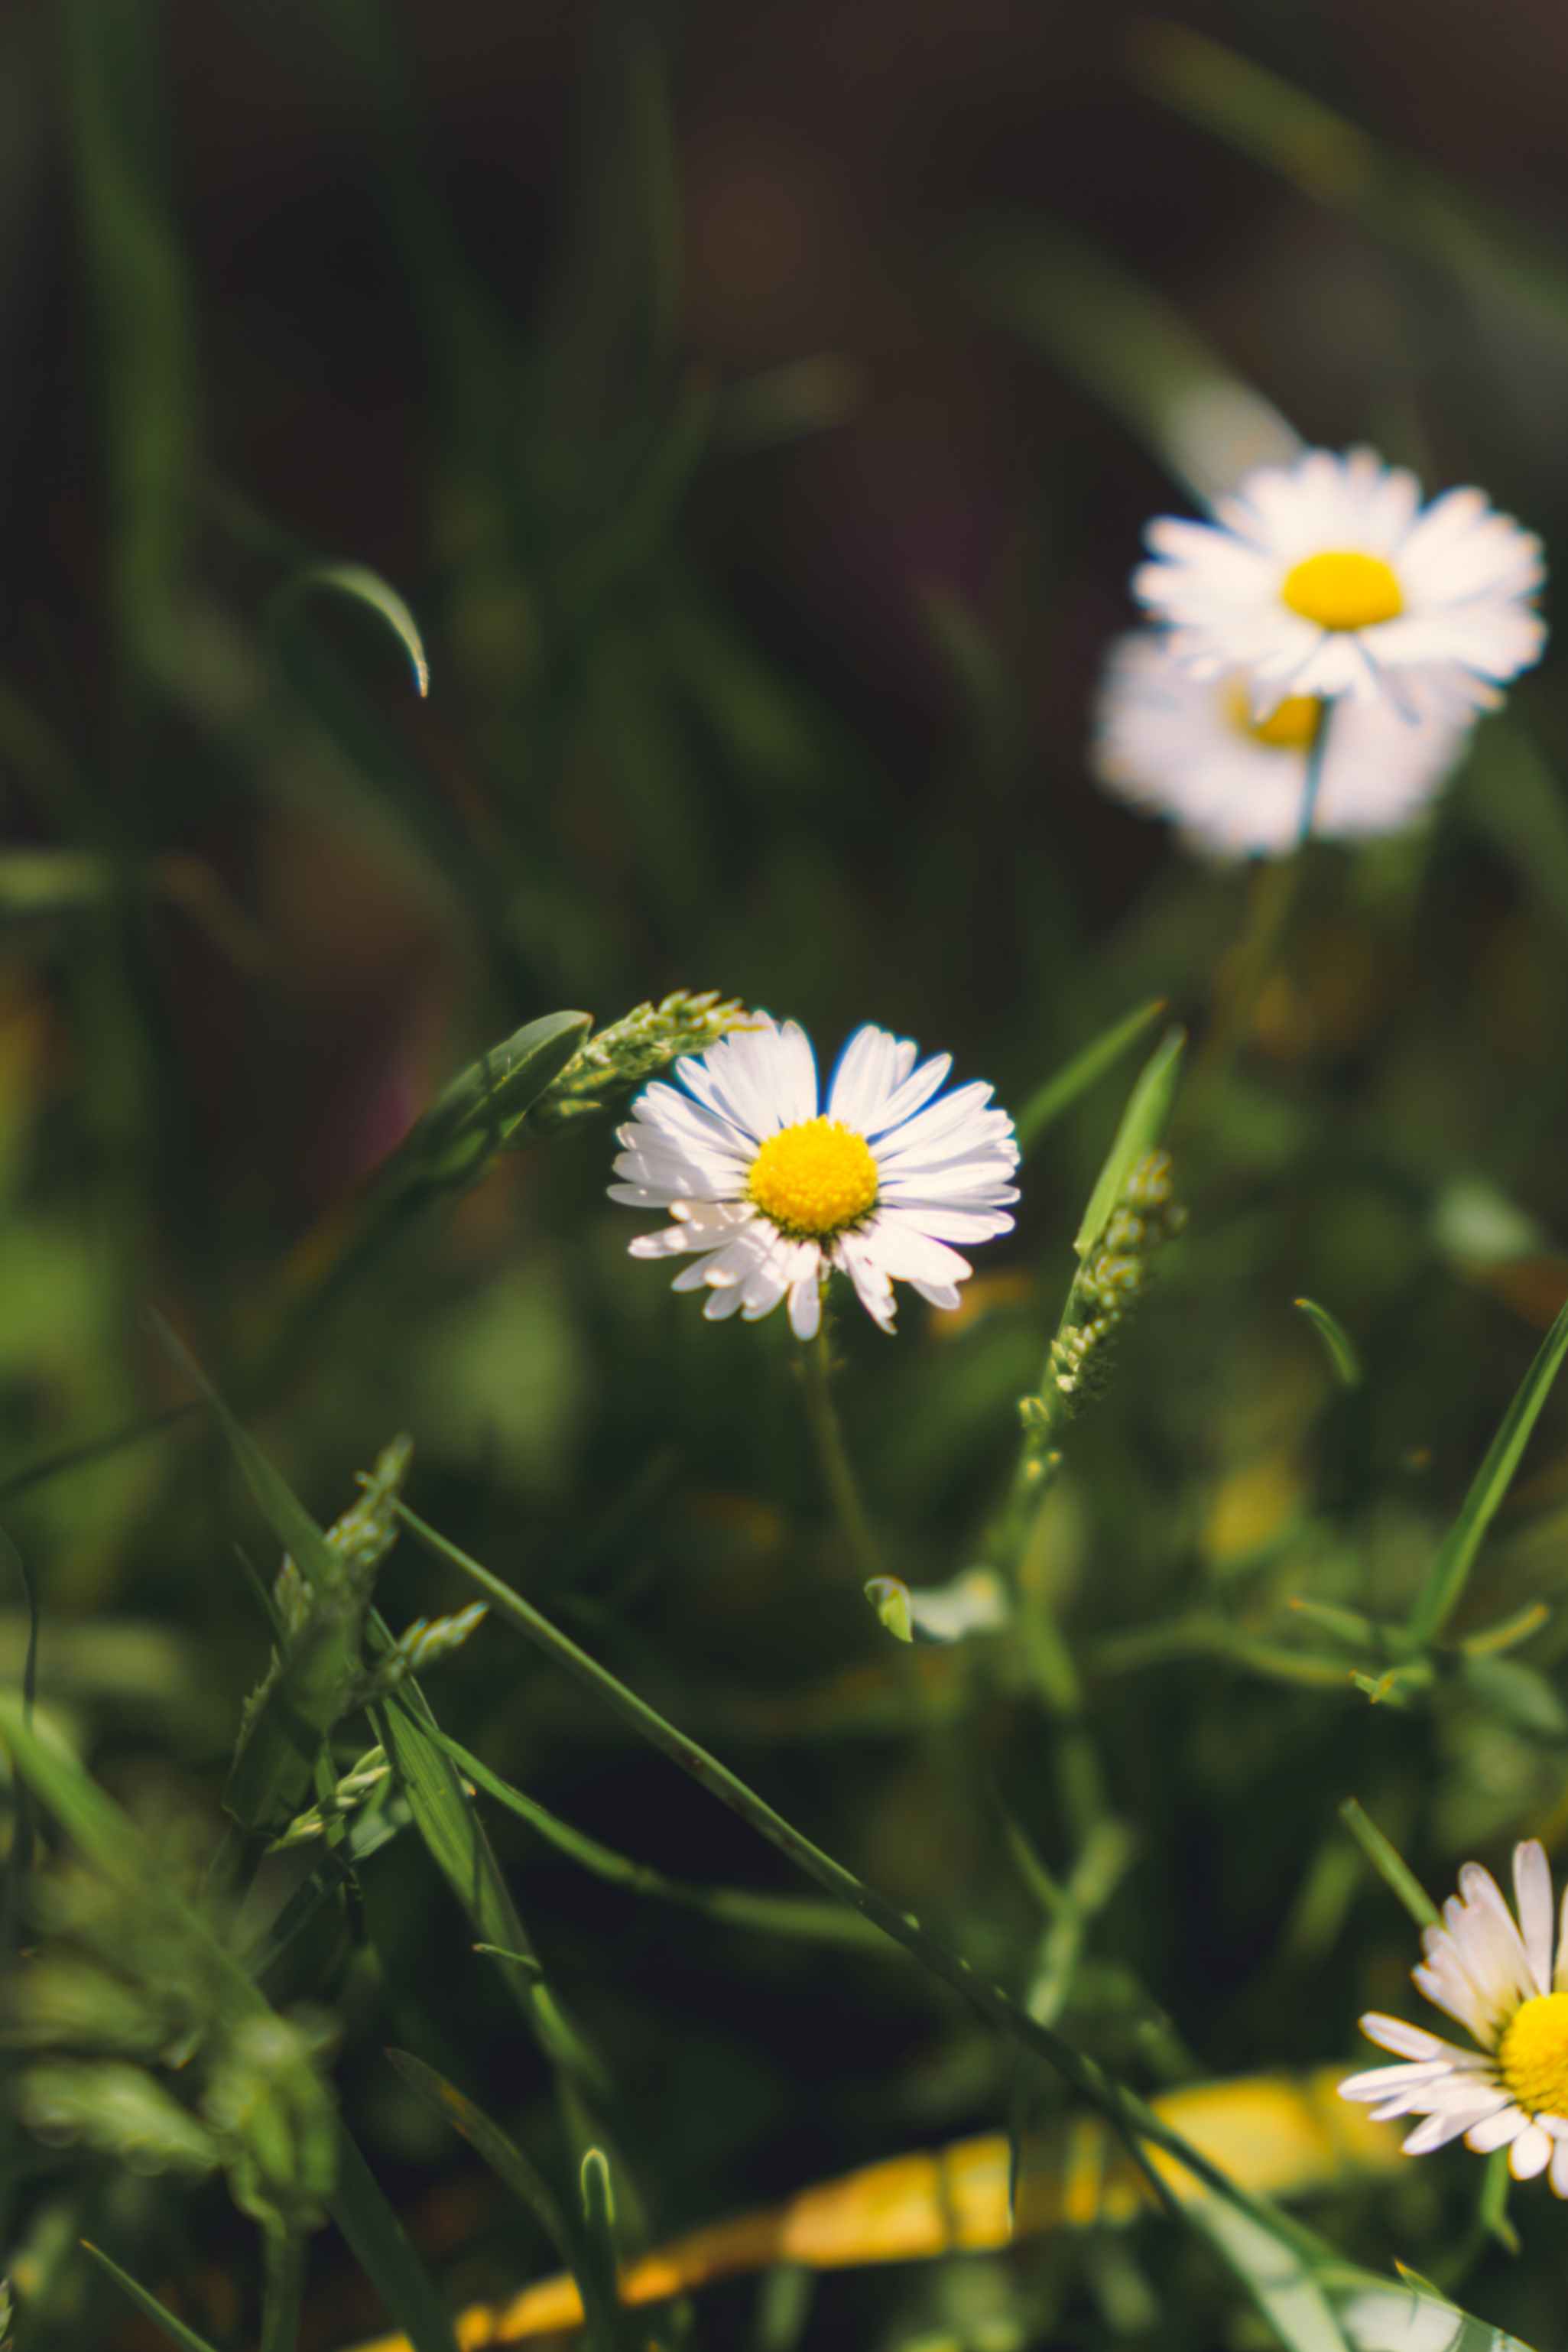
1337,1342
366,587
1142,1125
1060,1091
1281,2284
1447,1578
147,2304
1132,351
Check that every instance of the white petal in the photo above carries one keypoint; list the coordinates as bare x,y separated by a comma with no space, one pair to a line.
864,1076
1533,1892
1396,2033
806,1304
1497,2130
1437,2130
1560,2169
1531,2153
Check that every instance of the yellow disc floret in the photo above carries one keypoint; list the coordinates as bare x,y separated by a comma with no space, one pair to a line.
1532,2057
1343,589
814,1179
1293,727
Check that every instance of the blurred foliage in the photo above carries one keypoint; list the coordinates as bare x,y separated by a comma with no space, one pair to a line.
520,514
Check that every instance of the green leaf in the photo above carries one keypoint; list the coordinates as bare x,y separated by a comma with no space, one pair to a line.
1336,1340
1143,1124
367,587
477,1114
147,2304
1450,1572
1060,1093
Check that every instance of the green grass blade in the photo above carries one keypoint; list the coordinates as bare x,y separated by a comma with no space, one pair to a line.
113,1845
441,1812
1284,2286
505,2159
509,2163
1447,1578
366,587
1389,1864
1337,1342
384,2252
1143,1124
1060,1091
1131,2117
1134,354
770,1915
457,1845
147,2304
1335,162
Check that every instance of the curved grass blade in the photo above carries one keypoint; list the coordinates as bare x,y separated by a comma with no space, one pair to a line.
146,2303
1143,1124
1059,1092
366,587
1446,1579
1336,1340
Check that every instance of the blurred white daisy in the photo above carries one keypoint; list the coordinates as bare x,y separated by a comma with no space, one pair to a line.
1328,577
776,1191
1187,748
1497,1977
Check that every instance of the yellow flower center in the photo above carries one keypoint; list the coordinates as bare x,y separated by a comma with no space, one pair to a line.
1343,589
1532,2057
1292,728
814,1179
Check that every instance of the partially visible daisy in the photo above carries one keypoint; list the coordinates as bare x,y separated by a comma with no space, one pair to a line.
1497,1977
1187,748
1328,577
775,1190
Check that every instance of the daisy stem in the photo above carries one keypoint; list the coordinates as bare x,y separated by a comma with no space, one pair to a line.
1316,752
816,1372
1245,973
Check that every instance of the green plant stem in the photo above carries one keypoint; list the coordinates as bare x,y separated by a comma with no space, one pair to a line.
1272,902
817,1373
284,2279
1135,2121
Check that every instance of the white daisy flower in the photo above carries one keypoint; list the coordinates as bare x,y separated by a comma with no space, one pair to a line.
1328,577
1187,748
1497,1977
774,1190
